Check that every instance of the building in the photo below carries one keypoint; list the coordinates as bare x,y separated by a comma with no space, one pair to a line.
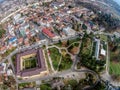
17,17
97,49
103,52
30,64
13,41
3,49
2,68
48,33
68,31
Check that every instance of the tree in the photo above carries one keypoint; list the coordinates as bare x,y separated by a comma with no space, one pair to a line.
81,15
68,42
84,27
60,42
45,87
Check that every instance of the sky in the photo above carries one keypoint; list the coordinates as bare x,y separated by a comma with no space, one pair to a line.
118,1
1,0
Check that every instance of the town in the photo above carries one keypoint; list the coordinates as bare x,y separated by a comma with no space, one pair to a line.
56,45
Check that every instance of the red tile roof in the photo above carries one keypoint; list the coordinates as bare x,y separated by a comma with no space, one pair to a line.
3,48
48,32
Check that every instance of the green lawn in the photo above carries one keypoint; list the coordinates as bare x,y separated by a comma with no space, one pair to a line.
45,87
115,62
30,63
66,63
74,40
67,43
55,57
103,37
115,68
86,46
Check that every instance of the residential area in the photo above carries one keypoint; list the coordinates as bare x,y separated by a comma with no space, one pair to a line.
56,45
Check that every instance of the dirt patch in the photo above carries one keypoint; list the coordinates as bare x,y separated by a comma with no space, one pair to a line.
74,50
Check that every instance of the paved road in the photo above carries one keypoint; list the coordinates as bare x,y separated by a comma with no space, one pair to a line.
47,76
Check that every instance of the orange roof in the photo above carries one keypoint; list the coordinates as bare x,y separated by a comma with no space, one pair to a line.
3,48
20,40
48,32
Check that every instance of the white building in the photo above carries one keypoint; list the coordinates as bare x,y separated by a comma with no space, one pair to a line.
17,17
97,49
103,52
2,68
68,31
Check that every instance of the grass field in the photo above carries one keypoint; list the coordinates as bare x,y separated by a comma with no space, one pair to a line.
30,62
66,63
115,62
115,68
86,46
103,37
55,57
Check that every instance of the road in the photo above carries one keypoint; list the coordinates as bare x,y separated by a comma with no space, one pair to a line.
46,77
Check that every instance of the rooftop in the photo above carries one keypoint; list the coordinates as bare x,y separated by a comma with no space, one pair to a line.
32,71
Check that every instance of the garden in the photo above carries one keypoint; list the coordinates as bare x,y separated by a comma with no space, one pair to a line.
66,63
55,57
30,62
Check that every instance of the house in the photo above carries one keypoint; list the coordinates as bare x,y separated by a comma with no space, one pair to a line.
26,42
2,68
48,33
117,34
9,72
16,17
69,32
57,5
3,49
22,32
11,30
13,41
20,40
103,52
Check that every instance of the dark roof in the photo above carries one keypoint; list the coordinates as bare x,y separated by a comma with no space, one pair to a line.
33,71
